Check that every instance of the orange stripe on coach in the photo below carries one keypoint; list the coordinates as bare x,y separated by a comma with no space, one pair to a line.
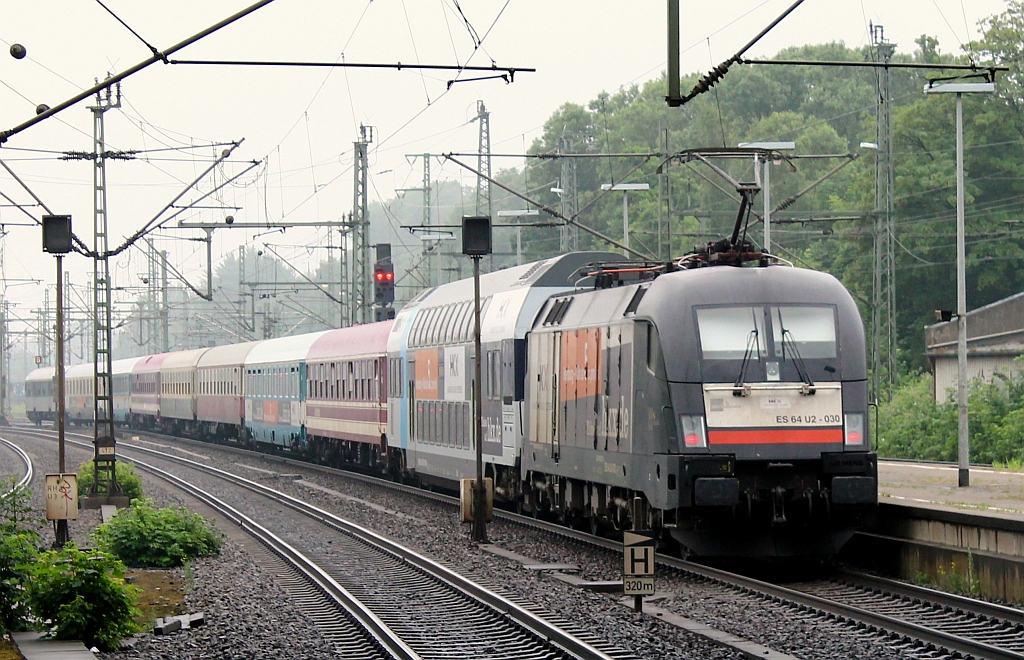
775,436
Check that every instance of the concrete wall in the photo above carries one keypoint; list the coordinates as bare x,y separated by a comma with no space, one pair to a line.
978,367
957,551
995,336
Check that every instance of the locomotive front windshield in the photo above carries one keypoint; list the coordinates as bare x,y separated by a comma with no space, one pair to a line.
771,336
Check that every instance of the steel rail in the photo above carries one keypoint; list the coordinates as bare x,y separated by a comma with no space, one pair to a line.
387,641
790,597
385,638
934,596
29,473
509,609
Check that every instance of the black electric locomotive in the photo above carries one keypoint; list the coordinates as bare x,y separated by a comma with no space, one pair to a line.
732,399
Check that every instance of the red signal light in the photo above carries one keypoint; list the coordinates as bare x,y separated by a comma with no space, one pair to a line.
379,275
389,276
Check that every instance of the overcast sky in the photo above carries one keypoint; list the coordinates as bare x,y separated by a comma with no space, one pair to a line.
300,124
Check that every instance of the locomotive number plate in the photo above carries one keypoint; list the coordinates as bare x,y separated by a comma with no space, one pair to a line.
766,405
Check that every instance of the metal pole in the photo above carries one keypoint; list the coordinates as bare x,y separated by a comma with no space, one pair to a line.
625,221
963,439
767,208
637,510
62,534
480,491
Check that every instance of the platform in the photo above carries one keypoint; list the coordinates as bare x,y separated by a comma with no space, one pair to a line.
961,539
998,493
35,646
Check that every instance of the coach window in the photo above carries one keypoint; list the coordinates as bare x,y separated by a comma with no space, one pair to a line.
467,323
449,437
464,322
493,374
446,322
424,319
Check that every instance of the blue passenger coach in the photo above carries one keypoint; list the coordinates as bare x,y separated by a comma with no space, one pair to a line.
275,390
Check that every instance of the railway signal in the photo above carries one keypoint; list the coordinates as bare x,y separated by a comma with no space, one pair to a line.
384,282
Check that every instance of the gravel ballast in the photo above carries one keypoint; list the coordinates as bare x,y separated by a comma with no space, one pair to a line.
248,615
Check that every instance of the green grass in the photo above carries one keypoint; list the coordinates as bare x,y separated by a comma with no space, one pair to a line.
1012,465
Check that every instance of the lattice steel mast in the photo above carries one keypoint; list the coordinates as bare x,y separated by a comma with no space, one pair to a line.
569,235
430,248
105,483
883,308
361,305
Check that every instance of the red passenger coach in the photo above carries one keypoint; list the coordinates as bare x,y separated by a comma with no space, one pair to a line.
145,401
220,404
346,394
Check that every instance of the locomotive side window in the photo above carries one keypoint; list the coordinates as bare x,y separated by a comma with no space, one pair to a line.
726,333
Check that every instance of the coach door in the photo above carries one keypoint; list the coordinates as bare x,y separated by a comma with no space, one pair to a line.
556,407
411,373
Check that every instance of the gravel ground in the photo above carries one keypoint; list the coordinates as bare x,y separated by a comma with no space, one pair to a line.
249,617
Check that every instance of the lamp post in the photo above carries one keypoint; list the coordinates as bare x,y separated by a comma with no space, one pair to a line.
766,186
625,188
476,243
963,440
57,241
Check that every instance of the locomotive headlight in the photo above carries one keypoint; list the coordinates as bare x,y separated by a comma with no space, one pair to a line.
694,434
853,430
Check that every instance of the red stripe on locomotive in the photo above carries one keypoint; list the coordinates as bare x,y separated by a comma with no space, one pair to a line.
775,436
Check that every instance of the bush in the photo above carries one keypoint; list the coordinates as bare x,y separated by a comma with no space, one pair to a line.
131,484
143,536
913,426
17,550
82,596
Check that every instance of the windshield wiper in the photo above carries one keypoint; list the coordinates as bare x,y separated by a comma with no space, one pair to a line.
798,362
738,387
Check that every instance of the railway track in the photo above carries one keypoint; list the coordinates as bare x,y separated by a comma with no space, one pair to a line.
412,606
27,477
918,617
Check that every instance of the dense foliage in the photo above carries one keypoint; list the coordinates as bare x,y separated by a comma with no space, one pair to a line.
82,595
913,426
17,549
144,536
131,484
824,110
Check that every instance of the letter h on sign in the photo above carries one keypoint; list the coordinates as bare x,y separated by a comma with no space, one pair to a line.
638,552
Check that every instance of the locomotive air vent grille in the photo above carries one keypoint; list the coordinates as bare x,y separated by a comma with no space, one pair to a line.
557,311
634,302
525,277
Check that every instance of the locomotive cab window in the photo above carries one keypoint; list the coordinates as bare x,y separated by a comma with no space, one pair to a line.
728,333
810,330
755,343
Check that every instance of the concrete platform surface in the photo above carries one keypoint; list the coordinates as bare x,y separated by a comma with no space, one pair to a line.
998,493
35,646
